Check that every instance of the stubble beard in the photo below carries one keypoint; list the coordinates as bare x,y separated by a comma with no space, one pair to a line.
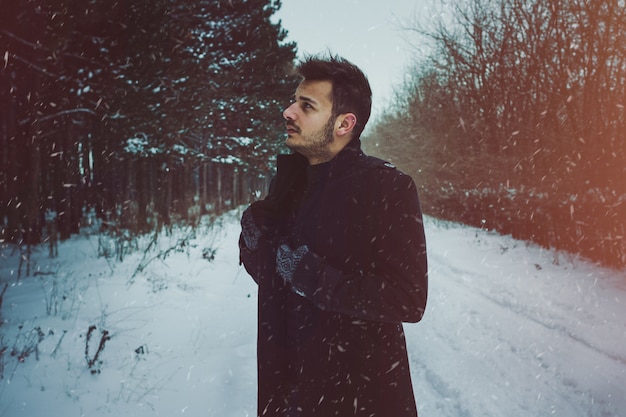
315,145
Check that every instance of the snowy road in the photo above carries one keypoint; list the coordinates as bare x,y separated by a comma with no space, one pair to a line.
510,330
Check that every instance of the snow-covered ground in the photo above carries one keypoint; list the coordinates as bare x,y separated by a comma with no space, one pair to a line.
510,330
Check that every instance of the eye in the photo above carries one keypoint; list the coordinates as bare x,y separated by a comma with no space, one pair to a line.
307,106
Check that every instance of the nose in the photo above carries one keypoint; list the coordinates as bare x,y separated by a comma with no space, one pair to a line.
289,113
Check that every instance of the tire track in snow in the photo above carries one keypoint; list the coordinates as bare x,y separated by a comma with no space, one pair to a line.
451,355
518,308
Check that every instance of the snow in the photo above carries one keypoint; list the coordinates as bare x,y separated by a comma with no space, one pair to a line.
510,329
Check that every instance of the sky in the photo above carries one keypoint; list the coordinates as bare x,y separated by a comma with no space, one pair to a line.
367,32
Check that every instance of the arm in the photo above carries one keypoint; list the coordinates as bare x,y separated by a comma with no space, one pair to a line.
257,262
256,247
263,222
395,288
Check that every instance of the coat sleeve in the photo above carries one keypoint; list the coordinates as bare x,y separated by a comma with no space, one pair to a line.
247,258
258,263
267,215
394,287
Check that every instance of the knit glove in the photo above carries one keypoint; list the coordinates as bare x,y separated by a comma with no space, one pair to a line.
288,259
249,230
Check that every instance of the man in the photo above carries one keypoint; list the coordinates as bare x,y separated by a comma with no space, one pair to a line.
337,249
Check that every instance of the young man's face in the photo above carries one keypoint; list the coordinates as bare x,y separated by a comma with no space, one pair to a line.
309,121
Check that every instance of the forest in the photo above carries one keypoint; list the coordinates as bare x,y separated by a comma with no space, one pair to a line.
141,113
515,122
151,112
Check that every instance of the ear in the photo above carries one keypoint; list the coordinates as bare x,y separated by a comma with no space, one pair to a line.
346,123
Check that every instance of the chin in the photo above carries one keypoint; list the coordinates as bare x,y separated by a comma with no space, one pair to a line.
290,142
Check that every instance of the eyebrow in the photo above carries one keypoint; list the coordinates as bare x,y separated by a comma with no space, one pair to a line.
307,99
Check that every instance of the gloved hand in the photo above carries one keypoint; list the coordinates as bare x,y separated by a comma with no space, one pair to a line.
288,259
249,230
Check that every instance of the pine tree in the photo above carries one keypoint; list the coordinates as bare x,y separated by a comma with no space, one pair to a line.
116,101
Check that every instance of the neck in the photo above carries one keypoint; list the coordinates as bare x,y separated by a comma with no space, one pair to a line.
320,160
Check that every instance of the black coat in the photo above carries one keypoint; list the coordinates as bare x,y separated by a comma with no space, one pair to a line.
332,342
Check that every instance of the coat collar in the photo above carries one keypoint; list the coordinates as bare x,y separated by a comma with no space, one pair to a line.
297,165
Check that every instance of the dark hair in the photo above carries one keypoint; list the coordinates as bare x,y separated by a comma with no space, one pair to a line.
351,90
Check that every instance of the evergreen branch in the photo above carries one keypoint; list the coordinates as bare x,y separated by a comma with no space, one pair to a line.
61,113
30,64
19,39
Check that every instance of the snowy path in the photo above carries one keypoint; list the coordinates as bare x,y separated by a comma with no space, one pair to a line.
510,330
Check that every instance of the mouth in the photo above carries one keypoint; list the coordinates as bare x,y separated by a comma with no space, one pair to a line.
292,129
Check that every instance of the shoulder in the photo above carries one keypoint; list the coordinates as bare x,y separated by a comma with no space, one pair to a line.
392,185
372,162
384,170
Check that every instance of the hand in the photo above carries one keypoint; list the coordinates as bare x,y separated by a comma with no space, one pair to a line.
288,259
249,230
